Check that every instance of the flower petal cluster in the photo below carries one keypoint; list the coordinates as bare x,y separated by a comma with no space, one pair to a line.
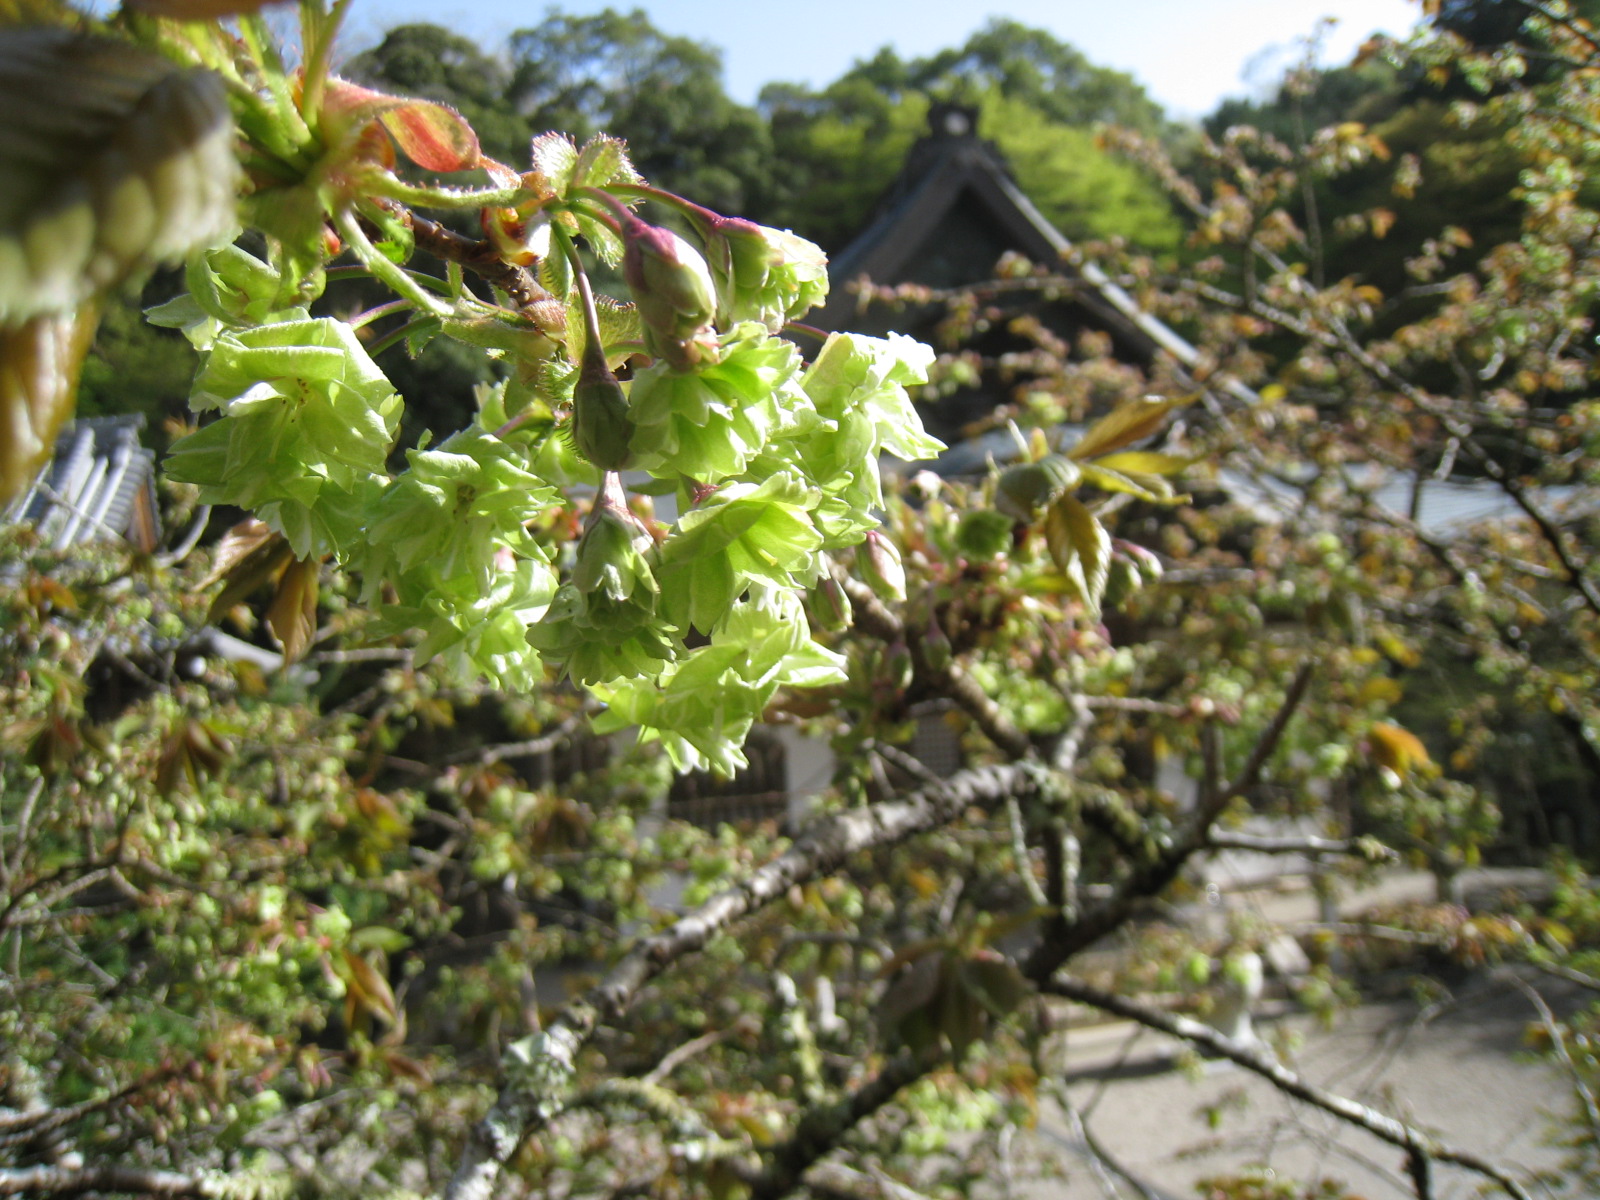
742,535
702,708
605,624
308,419
457,508
708,424
857,388
766,275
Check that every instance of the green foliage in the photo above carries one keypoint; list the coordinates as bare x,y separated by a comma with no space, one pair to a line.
298,925
1080,188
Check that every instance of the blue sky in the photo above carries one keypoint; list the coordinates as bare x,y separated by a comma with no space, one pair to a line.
1188,53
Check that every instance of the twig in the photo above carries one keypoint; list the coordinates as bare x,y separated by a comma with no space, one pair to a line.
489,755
949,680
682,1054
1220,839
482,259
1558,1043
1418,1145
1561,971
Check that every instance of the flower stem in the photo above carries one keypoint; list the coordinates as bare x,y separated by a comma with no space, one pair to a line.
386,272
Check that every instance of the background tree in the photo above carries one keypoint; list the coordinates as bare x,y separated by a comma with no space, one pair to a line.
616,73
1040,101
332,919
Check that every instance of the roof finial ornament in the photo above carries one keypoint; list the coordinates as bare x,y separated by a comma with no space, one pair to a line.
947,119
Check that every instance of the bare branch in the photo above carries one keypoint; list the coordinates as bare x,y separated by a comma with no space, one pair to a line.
1561,971
1558,1044
1418,1145
1222,839
1163,860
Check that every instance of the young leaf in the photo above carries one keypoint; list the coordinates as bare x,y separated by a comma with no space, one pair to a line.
1081,549
1122,426
292,617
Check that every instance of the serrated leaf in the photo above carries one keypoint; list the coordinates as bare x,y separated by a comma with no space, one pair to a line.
1129,422
434,136
244,540
996,983
603,161
554,158
1080,548
368,989
292,616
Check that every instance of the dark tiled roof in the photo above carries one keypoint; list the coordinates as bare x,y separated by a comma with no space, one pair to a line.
99,483
949,215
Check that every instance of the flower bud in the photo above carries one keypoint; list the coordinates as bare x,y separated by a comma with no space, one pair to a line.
829,607
897,665
601,427
1122,581
673,290
765,275
1149,566
879,563
611,553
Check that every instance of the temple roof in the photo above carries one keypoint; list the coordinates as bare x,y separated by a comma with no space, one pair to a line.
948,217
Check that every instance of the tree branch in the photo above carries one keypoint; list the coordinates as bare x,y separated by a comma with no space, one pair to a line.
541,1068
1220,839
1165,858
1418,1145
821,1129
75,1181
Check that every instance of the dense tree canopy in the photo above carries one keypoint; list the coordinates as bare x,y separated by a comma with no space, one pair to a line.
405,904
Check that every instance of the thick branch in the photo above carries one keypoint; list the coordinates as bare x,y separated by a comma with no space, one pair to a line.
1418,1145
1149,877
822,1129
70,1181
542,1066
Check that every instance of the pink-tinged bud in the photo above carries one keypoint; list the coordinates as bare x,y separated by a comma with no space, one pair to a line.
1145,560
673,290
879,563
762,274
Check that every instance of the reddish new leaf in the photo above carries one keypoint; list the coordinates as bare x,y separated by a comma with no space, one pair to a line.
293,614
434,136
